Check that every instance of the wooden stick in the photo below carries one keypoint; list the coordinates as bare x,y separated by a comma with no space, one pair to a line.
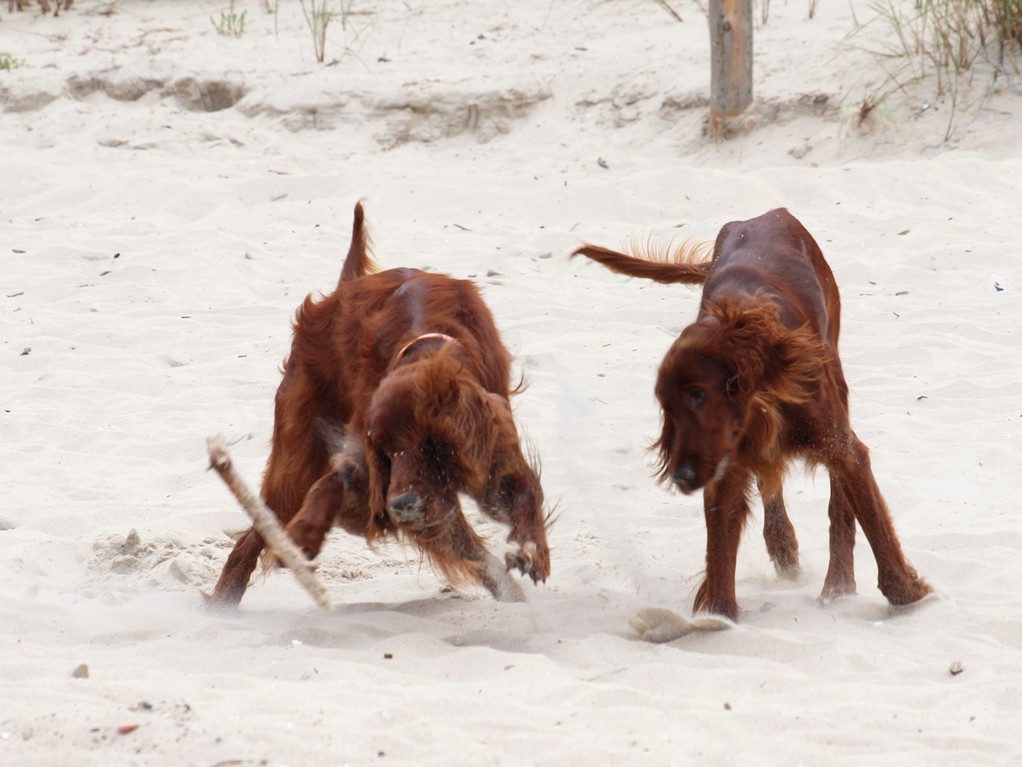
266,522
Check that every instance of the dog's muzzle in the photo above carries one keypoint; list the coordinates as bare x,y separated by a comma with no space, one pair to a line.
406,508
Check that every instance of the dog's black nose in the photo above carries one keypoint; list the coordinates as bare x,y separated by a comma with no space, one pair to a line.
405,507
684,474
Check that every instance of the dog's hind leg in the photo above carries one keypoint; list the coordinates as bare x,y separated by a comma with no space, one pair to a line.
852,482
779,534
840,580
297,459
238,569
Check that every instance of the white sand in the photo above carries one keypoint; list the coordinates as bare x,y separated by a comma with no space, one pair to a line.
151,256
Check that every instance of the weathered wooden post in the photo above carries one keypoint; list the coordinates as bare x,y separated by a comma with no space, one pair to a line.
730,60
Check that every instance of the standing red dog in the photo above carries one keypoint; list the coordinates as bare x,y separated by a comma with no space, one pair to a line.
394,400
754,382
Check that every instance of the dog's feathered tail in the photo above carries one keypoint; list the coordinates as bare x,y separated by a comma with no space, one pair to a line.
686,264
359,261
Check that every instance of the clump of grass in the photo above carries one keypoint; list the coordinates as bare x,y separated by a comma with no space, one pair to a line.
232,23
946,44
319,14
1008,19
948,37
8,62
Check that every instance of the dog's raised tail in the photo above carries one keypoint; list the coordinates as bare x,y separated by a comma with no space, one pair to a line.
359,261
687,264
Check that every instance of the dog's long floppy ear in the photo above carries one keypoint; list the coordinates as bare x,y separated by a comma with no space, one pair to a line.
498,410
662,446
379,483
769,359
801,357
447,394
438,390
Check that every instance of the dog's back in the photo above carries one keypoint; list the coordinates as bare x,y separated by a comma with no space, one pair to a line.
775,255
351,336
772,253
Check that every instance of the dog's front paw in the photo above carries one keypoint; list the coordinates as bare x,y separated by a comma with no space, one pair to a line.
503,587
530,559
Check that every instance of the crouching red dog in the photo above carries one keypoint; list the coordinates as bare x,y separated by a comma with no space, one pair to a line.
395,400
753,383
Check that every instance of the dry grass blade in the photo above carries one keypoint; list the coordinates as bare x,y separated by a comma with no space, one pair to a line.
946,43
669,9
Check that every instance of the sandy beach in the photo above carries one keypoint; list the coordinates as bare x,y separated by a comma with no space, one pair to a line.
169,195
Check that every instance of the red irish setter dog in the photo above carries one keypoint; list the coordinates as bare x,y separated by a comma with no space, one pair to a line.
754,382
394,400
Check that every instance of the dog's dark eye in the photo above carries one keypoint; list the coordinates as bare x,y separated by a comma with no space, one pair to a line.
696,398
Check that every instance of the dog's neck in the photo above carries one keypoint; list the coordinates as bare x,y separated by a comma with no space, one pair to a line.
424,338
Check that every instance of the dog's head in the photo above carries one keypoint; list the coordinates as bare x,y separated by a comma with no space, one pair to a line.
432,433
702,418
722,386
